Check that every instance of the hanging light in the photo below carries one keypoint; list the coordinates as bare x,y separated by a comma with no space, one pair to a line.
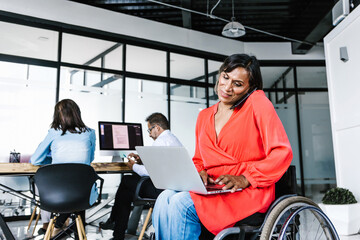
233,29
215,17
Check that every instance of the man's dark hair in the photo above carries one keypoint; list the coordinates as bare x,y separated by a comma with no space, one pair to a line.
158,119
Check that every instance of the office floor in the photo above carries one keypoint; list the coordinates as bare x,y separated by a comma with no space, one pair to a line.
18,228
352,237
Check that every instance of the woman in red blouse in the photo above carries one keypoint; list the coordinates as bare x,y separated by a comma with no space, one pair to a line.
240,143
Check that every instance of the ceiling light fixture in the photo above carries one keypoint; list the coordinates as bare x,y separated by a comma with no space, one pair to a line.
224,20
233,29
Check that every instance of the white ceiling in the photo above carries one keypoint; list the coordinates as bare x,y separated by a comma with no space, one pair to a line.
39,43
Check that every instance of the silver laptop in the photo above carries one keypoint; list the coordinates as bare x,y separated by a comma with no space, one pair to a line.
172,168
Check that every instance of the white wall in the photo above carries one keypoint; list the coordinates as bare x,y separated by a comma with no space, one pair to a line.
343,83
105,20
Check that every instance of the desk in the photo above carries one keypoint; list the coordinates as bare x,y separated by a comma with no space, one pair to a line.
29,169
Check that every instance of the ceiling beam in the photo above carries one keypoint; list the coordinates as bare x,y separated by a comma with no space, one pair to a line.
316,35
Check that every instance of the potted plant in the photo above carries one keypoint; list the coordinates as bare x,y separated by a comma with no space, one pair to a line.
340,205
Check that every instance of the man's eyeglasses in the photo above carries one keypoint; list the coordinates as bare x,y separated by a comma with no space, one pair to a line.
149,130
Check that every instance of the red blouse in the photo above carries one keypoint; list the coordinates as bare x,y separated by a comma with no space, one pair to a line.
252,143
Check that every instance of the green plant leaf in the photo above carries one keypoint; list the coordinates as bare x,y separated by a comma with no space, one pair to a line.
339,196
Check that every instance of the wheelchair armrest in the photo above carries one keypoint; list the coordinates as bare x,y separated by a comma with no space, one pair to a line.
226,232
140,200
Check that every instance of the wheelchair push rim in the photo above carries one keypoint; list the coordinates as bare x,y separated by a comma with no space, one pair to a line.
308,218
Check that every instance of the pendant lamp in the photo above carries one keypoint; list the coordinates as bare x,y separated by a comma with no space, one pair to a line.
233,29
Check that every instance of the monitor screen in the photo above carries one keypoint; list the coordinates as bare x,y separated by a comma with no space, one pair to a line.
119,136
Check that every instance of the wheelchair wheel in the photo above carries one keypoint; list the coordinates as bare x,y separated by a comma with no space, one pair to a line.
297,218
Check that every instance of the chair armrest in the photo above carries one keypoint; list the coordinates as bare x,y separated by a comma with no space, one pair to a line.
100,189
140,200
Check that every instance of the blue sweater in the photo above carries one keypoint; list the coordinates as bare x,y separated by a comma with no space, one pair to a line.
67,148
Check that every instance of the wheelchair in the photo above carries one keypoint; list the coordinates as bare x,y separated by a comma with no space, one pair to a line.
289,217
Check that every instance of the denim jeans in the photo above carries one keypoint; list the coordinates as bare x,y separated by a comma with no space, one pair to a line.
175,217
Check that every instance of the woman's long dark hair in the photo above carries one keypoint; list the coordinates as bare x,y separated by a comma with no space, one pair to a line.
249,63
67,117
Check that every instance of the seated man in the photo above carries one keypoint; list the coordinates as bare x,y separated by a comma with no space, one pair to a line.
158,128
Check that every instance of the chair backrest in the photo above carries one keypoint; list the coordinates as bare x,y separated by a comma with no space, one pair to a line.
65,188
287,183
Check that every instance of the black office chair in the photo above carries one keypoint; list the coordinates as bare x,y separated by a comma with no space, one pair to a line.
141,201
66,188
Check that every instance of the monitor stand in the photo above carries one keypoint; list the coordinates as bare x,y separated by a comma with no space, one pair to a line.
117,159
121,155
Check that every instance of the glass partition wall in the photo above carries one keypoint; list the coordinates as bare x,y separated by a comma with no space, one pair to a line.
299,95
114,78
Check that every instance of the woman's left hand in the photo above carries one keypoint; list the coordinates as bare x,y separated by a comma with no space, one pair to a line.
232,182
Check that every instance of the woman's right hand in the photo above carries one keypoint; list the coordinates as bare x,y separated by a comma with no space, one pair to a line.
205,177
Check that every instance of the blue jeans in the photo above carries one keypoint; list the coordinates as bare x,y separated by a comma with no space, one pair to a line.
175,217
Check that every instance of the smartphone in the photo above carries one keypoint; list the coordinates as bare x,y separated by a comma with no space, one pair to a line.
242,100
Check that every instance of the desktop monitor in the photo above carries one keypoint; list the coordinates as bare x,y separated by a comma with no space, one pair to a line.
118,139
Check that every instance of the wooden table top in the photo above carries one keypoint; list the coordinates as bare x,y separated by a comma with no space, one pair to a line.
29,169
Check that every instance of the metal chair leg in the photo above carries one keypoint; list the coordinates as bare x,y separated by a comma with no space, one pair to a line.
241,235
134,219
5,229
